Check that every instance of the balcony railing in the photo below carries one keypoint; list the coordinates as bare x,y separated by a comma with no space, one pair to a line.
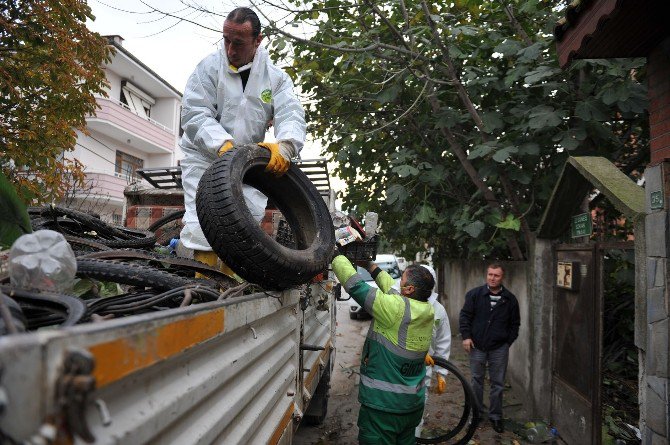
121,104
115,120
104,184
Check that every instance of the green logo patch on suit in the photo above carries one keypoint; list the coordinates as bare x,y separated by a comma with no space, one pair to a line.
266,96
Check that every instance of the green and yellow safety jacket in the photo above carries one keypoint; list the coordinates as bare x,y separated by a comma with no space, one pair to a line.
392,363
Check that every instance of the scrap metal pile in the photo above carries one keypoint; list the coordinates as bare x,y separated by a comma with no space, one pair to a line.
120,272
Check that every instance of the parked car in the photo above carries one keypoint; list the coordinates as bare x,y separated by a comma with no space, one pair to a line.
384,261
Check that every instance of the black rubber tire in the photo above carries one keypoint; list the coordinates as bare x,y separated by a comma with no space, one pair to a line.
89,221
239,240
160,222
84,245
73,308
139,239
132,274
469,407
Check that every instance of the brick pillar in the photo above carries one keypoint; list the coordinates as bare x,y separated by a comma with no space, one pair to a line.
659,102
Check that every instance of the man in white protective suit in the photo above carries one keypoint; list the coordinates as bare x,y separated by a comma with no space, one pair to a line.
231,98
440,345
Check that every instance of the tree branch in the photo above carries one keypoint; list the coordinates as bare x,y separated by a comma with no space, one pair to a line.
472,173
516,25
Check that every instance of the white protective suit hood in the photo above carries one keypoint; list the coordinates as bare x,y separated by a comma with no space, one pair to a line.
433,295
216,109
440,345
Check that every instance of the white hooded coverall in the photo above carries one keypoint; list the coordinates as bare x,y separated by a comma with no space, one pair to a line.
216,109
440,345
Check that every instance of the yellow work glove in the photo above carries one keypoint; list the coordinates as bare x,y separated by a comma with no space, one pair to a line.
225,147
429,360
278,164
441,384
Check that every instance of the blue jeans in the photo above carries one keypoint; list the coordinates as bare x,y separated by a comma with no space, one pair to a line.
497,363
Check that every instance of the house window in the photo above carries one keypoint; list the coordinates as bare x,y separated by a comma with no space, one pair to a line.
127,165
136,99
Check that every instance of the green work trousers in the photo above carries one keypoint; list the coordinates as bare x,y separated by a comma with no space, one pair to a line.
383,428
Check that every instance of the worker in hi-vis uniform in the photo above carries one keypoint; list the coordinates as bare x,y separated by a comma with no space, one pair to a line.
393,363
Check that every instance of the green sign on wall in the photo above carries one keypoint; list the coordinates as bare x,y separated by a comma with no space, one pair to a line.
656,199
581,225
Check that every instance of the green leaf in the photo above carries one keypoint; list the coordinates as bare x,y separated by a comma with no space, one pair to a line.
492,120
434,176
406,170
620,92
474,228
529,148
591,110
522,176
481,150
504,153
425,214
280,44
510,223
543,116
110,289
528,6
508,47
447,118
388,95
14,219
531,52
465,30
81,286
396,193
539,74
569,142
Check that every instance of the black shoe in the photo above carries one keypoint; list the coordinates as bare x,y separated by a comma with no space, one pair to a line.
498,426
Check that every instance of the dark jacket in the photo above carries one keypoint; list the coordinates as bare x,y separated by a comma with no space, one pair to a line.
489,328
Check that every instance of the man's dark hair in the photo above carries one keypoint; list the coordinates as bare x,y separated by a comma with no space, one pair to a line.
496,266
422,280
242,15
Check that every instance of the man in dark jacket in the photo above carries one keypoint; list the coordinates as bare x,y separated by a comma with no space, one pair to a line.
489,324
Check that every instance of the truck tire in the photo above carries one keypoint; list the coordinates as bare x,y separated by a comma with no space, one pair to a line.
238,239
84,245
86,220
179,214
136,239
127,273
71,310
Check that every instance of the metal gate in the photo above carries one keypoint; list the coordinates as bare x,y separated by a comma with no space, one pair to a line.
577,344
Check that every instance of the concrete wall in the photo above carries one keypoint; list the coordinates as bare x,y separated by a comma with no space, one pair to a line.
460,276
655,372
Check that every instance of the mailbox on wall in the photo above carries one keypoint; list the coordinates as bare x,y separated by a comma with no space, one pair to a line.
567,275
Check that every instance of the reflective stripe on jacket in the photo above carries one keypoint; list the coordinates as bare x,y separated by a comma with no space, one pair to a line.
392,363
